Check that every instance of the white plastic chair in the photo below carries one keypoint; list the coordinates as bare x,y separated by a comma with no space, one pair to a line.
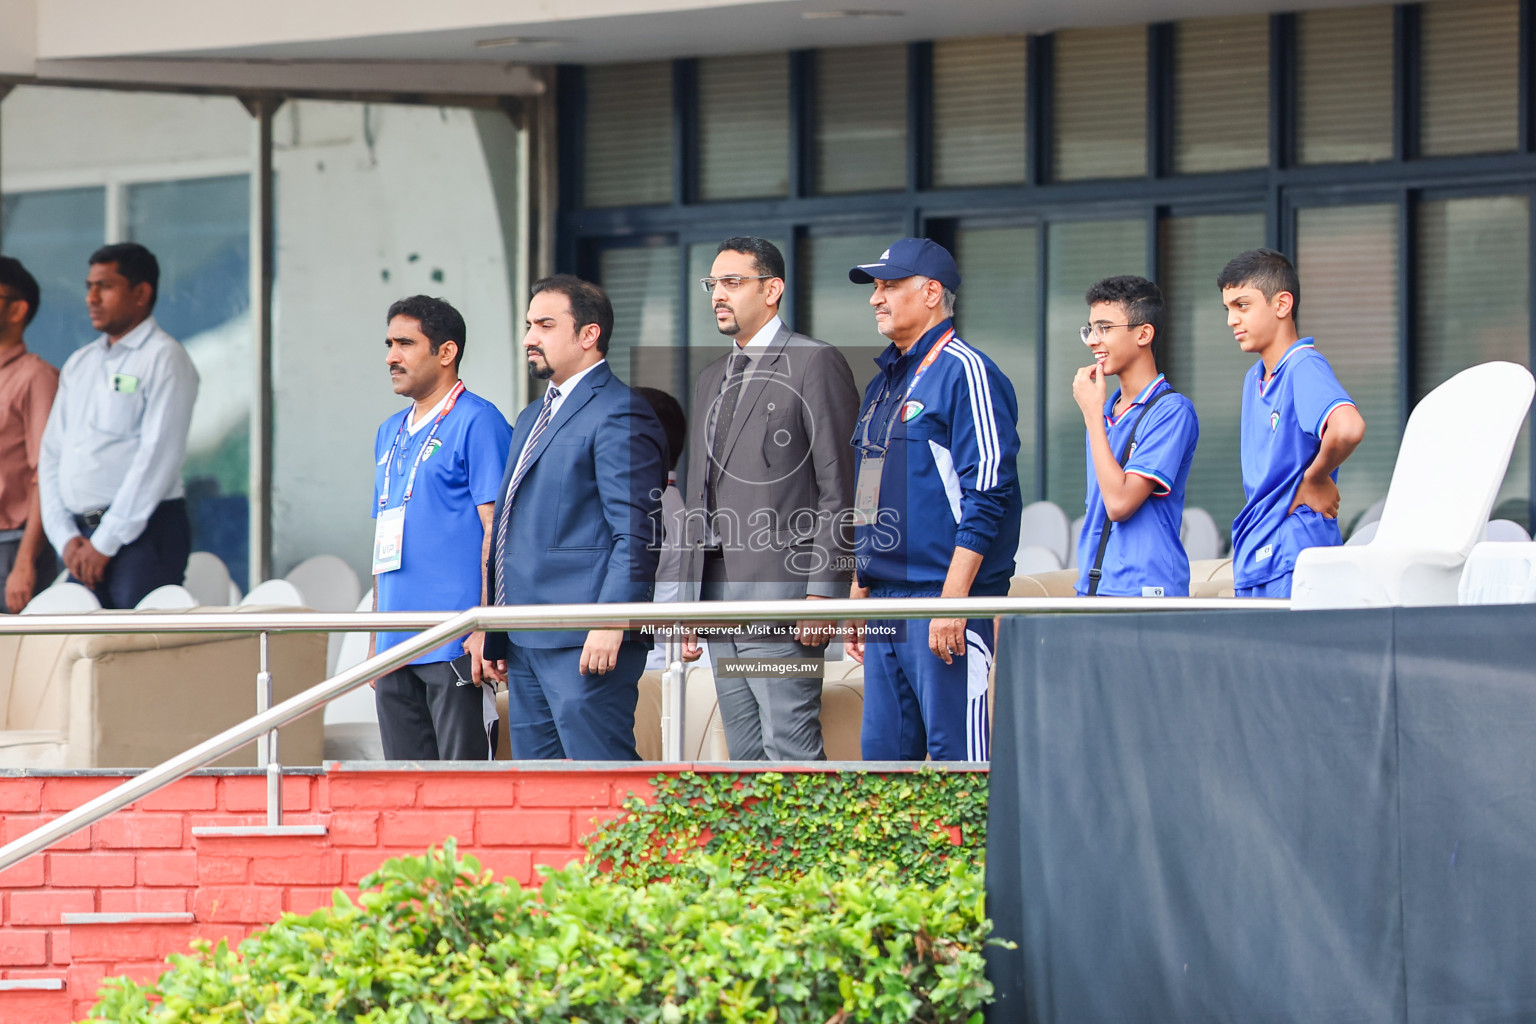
1364,535
1202,539
1043,524
208,579
1499,572
1505,531
274,592
170,597
327,583
352,720
1032,559
1074,533
63,599
1449,469
1371,514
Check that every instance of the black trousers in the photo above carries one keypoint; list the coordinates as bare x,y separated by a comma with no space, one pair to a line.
427,714
45,566
156,558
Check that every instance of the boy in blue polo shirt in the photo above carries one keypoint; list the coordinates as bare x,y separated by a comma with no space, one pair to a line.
1141,441
1298,427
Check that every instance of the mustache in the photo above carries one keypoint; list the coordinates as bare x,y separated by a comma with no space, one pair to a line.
535,351
721,305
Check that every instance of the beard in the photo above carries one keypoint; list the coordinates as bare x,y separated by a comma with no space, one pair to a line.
539,373
731,327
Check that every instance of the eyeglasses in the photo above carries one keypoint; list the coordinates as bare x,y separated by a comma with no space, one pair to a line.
731,283
1097,330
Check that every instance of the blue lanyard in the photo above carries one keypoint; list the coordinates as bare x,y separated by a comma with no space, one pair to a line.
410,481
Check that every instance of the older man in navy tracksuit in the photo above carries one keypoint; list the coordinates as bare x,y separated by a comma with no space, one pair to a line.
936,510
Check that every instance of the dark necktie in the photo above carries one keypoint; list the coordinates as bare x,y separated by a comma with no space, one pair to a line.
518,472
727,413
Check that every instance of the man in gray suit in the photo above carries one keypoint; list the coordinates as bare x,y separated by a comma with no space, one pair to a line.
770,482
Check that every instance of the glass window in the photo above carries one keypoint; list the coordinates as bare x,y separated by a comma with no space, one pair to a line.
1200,357
1344,85
997,311
642,284
1347,257
52,232
861,119
1099,120
627,147
978,111
1221,94
1077,254
1473,305
1470,76
357,230
839,310
744,126
200,231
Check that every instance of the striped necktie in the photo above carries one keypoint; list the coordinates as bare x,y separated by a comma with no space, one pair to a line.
518,472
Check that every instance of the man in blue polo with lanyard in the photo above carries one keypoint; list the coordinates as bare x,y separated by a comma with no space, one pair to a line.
438,467
936,511
1298,427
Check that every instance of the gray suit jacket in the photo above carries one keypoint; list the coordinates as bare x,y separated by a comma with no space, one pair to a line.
787,476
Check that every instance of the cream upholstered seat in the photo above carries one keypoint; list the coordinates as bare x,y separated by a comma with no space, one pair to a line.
132,700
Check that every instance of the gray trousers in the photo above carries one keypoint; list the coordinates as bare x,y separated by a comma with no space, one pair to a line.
765,718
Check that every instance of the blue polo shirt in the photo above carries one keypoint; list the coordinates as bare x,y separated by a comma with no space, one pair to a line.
1282,429
440,558
1144,551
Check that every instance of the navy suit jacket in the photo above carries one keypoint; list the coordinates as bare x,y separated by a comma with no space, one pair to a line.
586,519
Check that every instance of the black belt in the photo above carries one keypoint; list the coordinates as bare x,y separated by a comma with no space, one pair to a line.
89,520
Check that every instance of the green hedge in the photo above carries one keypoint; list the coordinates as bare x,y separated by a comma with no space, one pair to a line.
772,824
836,898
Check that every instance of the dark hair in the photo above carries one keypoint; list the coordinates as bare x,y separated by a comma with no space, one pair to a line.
673,423
589,304
1141,300
765,255
15,276
439,321
134,262
1269,271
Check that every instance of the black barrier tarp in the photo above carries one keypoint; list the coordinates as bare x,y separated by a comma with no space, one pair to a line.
1265,816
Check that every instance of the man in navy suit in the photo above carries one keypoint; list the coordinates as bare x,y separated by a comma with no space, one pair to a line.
579,506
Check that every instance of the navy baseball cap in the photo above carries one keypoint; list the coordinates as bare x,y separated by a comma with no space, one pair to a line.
910,257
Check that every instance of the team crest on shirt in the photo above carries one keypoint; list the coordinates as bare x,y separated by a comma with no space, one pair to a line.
1274,421
911,411
432,446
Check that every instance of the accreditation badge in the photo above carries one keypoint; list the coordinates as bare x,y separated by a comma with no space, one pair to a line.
866,490
388,540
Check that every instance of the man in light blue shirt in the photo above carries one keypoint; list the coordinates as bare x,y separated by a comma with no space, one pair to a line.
110,470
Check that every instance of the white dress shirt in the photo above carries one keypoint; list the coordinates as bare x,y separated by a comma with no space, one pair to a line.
117,436
559,400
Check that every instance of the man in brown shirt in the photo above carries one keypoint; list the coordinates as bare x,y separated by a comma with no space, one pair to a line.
27,386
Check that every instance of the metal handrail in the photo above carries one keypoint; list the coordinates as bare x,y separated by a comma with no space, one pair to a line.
445,627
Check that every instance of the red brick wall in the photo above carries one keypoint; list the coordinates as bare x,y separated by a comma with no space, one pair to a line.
146,859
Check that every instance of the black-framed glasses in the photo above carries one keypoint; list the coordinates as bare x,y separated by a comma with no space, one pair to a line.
1088,331
731,283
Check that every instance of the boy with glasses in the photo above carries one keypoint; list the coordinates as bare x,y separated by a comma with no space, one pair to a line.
1298,427
1141,441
